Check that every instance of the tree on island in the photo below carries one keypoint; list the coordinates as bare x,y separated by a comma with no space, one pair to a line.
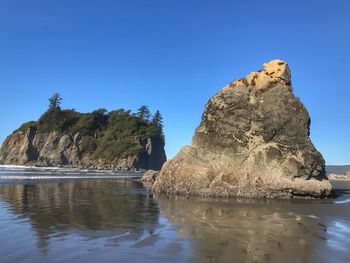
144,113
157,124
55,102
157,120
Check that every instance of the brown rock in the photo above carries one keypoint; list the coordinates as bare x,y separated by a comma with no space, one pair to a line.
253,141
149,176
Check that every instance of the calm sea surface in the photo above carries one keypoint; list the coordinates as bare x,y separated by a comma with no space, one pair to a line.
50,219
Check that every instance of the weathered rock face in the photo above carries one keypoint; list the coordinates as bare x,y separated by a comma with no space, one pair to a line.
149,176
63,149
253,141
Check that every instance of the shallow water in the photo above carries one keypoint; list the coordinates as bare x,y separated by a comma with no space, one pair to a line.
116,220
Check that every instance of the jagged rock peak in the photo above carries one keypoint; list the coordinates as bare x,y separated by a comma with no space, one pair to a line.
275,70
253,141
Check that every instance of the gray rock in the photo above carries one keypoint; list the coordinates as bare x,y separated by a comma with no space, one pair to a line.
63,149
149,176
253,141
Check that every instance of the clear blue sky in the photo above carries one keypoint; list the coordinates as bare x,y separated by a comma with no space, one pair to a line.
173,55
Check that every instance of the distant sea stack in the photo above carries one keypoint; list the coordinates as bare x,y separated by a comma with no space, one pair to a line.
116,140
253,141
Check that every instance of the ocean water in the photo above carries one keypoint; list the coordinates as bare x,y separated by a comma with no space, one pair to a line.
67,215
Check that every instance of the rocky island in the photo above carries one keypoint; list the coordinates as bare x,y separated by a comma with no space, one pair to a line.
116,140
253,141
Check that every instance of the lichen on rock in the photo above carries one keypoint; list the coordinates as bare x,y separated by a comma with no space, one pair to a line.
253,141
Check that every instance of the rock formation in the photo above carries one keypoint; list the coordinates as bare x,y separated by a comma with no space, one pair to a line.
112,145
149,177
253,141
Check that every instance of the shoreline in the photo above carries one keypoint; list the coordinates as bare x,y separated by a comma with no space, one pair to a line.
339,179
21,172
50,177
65,168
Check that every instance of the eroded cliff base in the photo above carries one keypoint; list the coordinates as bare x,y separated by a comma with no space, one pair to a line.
191,176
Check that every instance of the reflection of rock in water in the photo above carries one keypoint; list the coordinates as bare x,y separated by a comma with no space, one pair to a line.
222,232
90,208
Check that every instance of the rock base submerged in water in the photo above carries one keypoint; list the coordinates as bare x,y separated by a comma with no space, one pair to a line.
253,141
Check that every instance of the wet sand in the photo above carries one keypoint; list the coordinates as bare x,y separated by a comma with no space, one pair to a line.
111,220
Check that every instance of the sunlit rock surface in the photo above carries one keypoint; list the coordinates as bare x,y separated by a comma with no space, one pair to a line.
65,150
253,141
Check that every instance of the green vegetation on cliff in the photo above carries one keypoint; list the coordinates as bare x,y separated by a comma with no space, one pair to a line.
118,133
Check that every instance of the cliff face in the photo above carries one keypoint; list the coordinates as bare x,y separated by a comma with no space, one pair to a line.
112,145
253,141
60,149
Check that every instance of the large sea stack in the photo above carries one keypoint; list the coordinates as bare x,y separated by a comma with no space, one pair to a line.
117,140
253,141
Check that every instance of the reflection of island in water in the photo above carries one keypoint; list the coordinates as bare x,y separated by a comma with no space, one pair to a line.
89,208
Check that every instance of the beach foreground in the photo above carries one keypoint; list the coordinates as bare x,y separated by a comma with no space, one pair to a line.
55,220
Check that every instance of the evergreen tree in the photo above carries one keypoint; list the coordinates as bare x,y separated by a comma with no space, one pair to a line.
157,124
158,119
100,111
144,113
55,101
